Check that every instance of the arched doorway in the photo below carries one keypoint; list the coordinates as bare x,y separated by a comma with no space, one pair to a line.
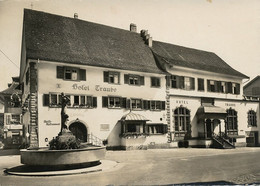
79,130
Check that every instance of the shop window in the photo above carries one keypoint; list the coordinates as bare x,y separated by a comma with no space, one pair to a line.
200,84
157,129
232,124
181,121
182,82
112,77
133,79
113,102
251,116
136,104
155,82
71,73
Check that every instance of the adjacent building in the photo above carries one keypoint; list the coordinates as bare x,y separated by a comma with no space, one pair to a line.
126,90
252,88
11,116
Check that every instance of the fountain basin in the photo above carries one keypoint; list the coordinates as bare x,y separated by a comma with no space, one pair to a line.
46,157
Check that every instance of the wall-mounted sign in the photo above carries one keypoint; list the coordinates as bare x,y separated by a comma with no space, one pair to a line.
182,102
80,87
104,89
230,104
49,122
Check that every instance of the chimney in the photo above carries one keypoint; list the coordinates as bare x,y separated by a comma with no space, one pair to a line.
146,37
76,16
133,27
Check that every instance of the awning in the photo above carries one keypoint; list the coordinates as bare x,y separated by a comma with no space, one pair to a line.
133,117
211,111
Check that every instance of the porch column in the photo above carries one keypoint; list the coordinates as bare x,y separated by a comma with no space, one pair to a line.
212,126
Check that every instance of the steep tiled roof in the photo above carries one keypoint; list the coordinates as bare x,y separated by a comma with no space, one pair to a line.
252,81
57,38
192,58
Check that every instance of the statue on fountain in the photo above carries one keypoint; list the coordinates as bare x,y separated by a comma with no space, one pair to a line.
65,100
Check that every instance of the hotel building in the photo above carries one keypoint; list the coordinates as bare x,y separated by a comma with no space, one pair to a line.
128,91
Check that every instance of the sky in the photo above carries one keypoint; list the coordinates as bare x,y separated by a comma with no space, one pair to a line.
229,28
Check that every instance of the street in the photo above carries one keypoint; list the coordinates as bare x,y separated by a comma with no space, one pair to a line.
157,167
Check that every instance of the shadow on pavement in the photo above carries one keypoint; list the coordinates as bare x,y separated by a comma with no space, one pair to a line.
9,152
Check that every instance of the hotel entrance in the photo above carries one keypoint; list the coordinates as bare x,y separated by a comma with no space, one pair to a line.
79,130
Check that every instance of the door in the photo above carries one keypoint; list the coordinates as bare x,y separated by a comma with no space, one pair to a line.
79,130
208,128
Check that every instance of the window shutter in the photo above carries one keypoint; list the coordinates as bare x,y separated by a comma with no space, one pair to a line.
168,81
148,105
141,80
60,72
104,101
126,77
208,85
219,86
94,102
163,105
216,86
229,87
181,82
192,80
82,74
123,102
159,82
46,100
128,103
106,74
237,88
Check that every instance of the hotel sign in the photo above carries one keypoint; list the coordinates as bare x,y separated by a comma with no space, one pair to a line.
97,88
230,104
182,102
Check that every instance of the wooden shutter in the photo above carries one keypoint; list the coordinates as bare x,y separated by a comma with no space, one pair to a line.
229,87
148,105
126,77
123,102
46,99
94,102
208,85
219,86
106,74
163,105
237,88
141,80
104,101
168,81
82,74
216,86
60,72
181,82
128,103
165,129
192,81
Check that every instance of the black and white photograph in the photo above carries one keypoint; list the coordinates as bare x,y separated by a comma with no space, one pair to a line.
129,92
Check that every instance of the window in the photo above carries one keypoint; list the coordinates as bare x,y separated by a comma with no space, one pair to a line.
71,73
182,82
211,86
113,102
157,129
181,121
223,87
200,84
16,119
157,105
134,79
232,122
137,127
155,82
112,77
79,101
251,116
136,103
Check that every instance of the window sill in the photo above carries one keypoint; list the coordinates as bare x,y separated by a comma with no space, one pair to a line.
251,126
80,107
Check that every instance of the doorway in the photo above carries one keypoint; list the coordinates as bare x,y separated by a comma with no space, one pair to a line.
79,130
208,128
